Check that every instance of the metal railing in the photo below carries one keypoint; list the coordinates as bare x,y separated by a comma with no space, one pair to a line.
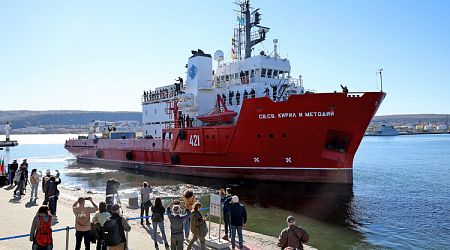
68,228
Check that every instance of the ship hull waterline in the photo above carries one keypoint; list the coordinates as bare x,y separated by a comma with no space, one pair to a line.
308,138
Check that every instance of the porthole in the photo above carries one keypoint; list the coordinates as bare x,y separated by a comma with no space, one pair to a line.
258,135
214,137
284,135
207,136
271,136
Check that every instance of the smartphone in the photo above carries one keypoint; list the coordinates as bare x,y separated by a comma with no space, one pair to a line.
87,198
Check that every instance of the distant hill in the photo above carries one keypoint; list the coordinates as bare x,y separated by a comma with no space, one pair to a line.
27,118
411,119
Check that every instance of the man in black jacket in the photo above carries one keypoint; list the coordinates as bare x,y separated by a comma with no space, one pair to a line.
238,219
12,168
226,202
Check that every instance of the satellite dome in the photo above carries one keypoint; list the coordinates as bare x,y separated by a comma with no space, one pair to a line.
218,55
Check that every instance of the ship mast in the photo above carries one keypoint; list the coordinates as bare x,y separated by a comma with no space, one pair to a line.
244,38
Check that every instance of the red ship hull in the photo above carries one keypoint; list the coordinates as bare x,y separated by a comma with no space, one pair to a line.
308,138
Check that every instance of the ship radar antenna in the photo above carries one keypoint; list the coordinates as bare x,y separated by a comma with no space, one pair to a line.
244,37
380,71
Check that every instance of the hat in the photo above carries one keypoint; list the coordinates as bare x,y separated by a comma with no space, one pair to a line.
115,207
290,219
234,199
176,209
24,159
47,171
15,160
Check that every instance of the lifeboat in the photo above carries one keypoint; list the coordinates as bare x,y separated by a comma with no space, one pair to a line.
220,114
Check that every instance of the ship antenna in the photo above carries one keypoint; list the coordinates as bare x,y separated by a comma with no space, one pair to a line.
246,23
380,71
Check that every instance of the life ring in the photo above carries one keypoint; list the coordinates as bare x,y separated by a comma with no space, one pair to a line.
99,154
129,155
182,134
174,158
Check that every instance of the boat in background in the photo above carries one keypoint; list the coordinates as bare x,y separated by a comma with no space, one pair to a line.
248,118
383,130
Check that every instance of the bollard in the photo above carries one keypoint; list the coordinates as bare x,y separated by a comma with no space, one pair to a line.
67,238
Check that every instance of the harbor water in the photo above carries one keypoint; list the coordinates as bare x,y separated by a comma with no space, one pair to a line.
400,198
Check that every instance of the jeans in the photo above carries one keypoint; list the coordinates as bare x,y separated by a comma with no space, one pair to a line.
187,227
233,235
194,239
176,241
52,205
11,177
20,187
227,225
34,191
144,208
161,228
37,247
80,235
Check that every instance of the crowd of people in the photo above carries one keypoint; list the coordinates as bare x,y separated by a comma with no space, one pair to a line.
108,226
164,93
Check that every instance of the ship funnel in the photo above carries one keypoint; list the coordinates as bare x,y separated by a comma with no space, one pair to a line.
199,73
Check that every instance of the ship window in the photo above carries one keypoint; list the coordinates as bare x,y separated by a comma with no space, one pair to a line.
155,131
269,73
227,78
146,112
281,74
284,135
236,76
252,73
155,111
263,72
275,74
146,132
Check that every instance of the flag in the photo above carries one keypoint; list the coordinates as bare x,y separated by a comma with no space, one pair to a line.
2,166
232,48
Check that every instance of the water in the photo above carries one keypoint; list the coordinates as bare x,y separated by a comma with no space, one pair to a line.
400,198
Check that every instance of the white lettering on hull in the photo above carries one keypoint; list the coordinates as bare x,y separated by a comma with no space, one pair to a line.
295,115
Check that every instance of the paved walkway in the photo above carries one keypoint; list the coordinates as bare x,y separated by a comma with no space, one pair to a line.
17,214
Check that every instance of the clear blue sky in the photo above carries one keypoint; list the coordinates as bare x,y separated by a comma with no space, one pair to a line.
101,55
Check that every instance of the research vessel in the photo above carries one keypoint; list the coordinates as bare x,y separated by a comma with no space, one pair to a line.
247,118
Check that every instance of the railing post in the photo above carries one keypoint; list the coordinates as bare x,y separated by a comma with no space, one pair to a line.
67,238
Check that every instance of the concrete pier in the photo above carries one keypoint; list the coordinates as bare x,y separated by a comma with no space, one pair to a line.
17,214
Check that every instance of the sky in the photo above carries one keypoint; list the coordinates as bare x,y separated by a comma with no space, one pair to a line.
102,54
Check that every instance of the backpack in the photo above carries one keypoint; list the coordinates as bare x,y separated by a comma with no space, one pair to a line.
111,232
44,234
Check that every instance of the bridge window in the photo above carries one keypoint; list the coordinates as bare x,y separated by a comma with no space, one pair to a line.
222,78
275,74
236,76
263,72
227,78
269,73
281,74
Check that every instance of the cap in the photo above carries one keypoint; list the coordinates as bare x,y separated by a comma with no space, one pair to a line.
47,171
290,219
234,199
115,207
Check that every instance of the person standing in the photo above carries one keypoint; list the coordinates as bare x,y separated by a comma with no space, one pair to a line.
196,223
35,178
158,221
124,226
98,221
189,200
83,222
22,178
226,202
12,168
41,231
51,194
238,219
146,203
293,236
176,225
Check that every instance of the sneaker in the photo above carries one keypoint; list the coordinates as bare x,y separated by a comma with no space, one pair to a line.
156,245
166,245
225,238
